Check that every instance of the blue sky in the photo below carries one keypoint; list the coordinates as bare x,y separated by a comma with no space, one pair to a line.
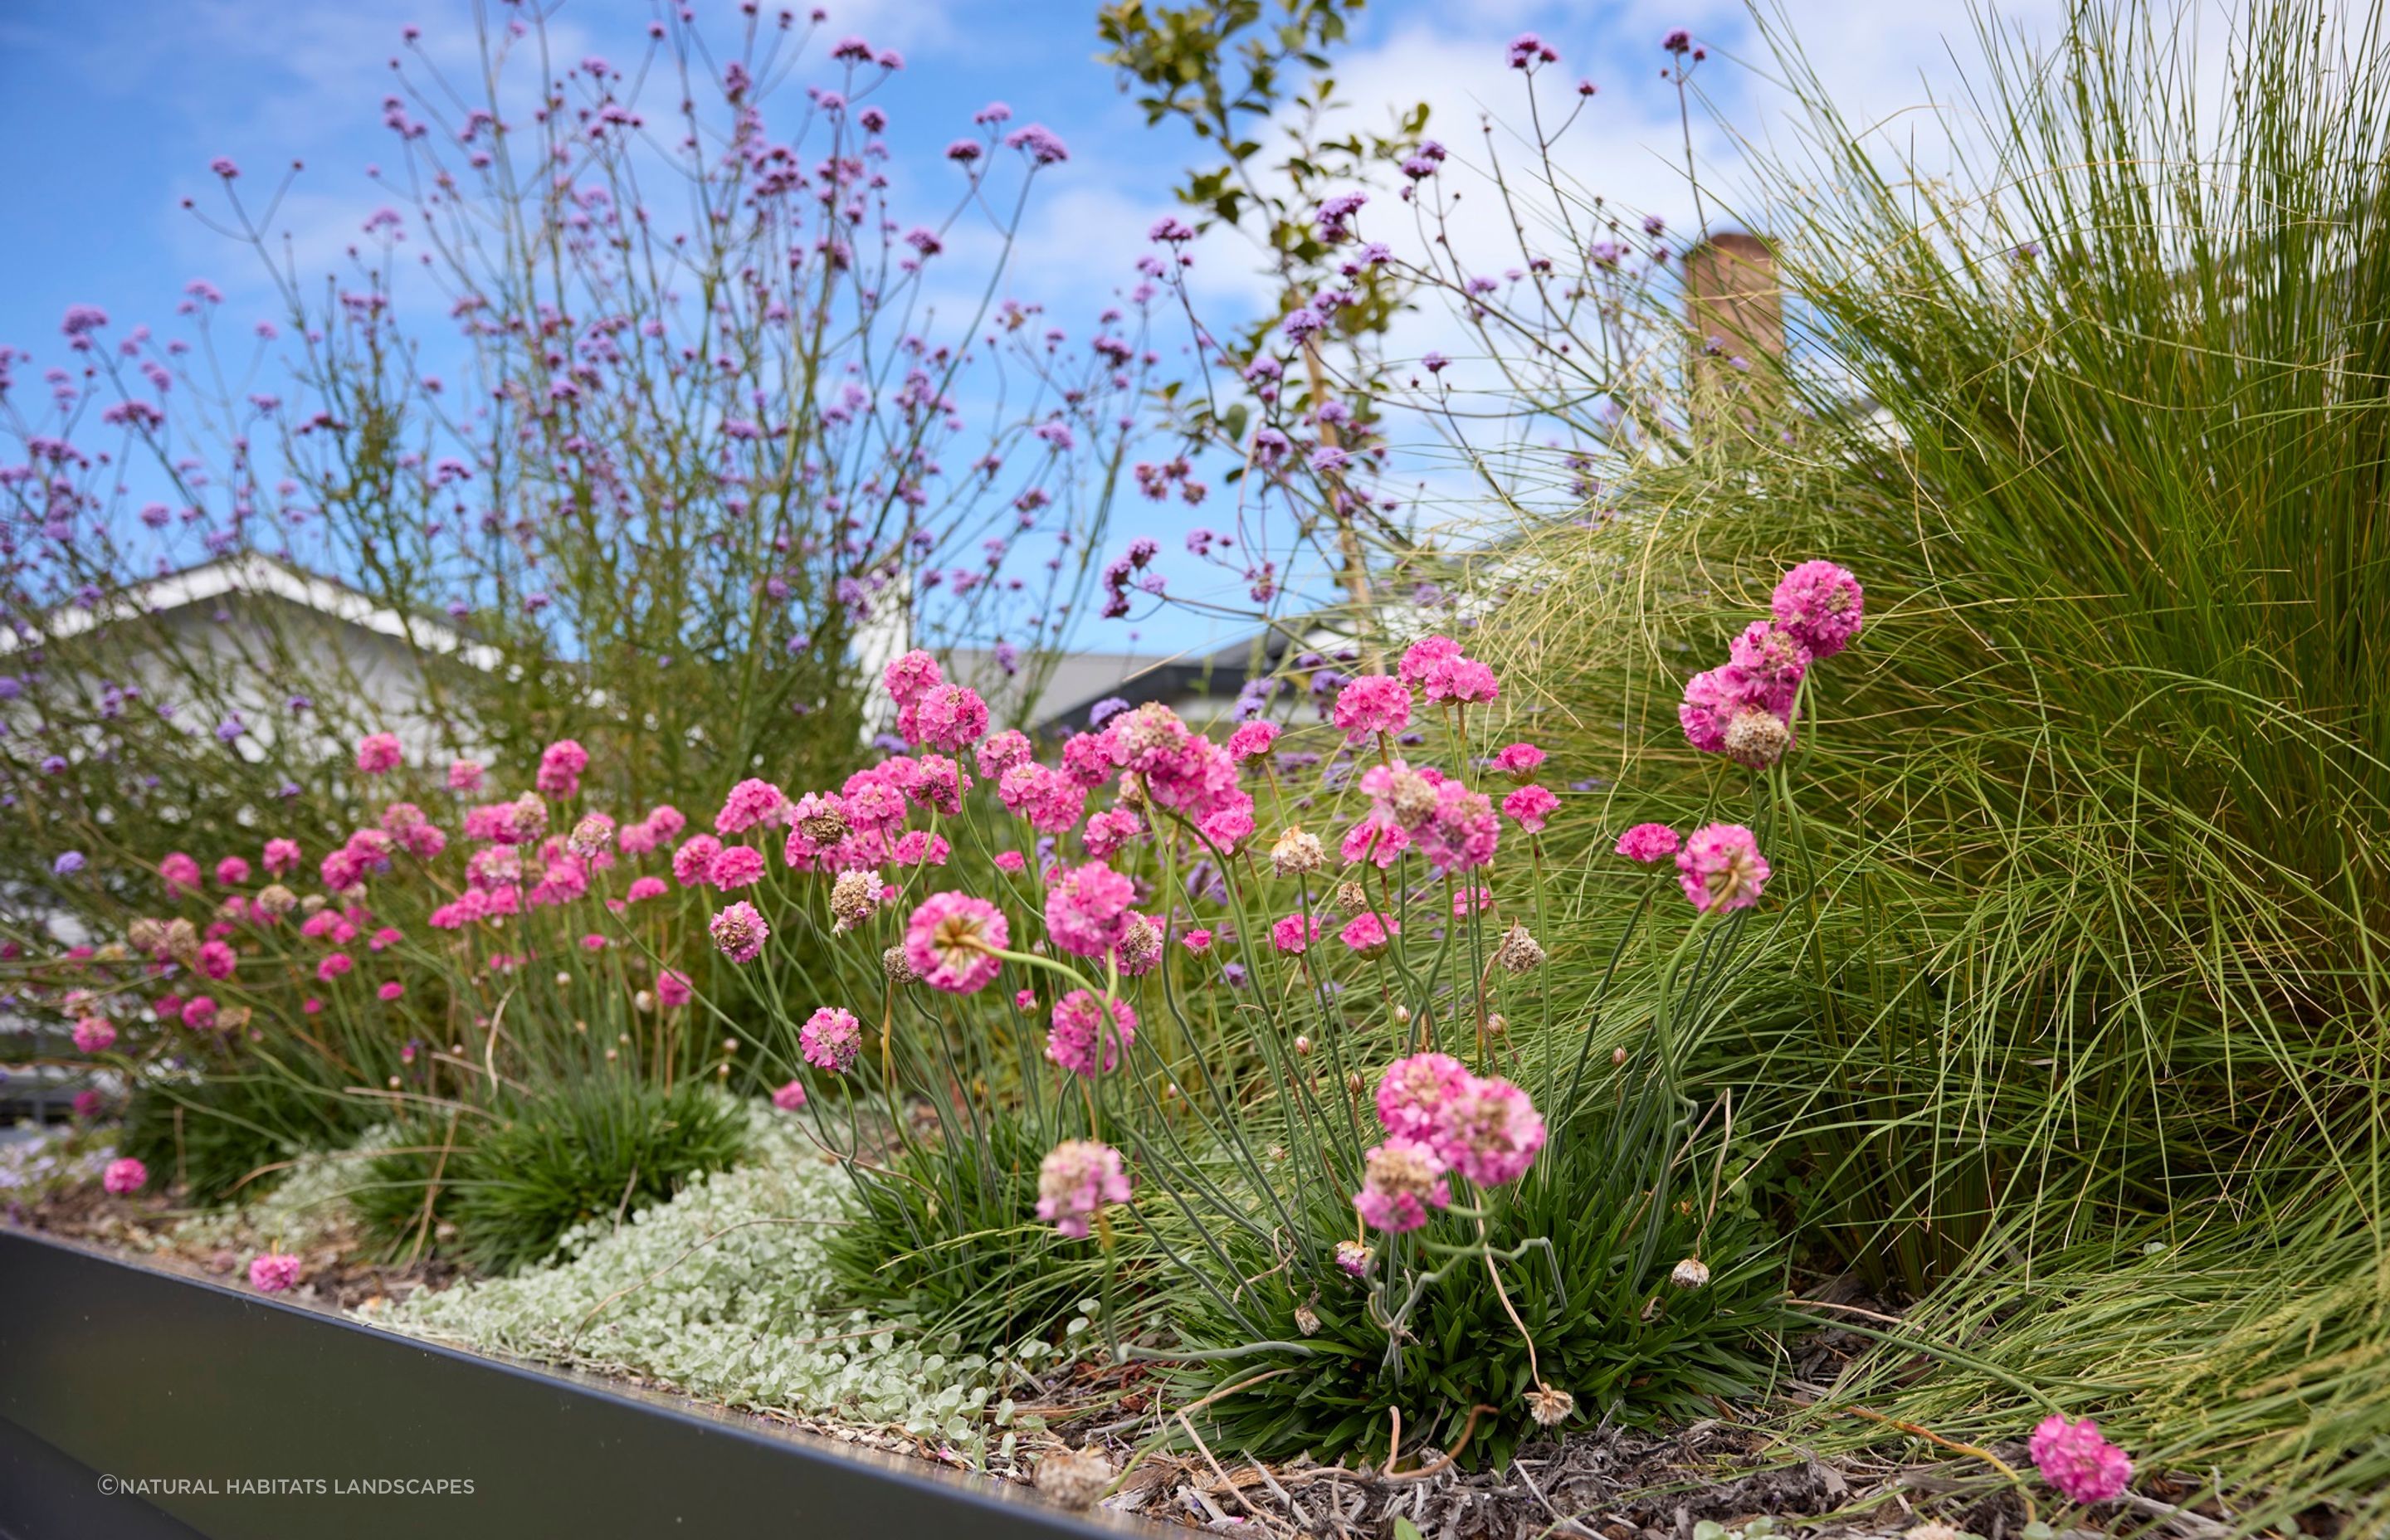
113,112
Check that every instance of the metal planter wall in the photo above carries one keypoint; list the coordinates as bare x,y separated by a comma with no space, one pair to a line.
136,1404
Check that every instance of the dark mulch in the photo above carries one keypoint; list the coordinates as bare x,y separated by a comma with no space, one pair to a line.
340,1272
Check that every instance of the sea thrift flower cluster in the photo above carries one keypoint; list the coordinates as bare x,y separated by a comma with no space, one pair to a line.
272,1273
2072,1458
1441,1118
1075,1181
1745,708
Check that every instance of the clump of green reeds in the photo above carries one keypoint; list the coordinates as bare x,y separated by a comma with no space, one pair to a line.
2074,1029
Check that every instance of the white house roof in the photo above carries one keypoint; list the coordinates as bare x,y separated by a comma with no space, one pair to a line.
250,573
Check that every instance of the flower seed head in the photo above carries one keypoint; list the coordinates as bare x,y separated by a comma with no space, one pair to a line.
1757,739
1691,1273
1549,1407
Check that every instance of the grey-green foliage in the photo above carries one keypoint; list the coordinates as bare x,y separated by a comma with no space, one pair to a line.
724,1292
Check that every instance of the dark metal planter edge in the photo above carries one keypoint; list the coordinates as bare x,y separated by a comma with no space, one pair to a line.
176,1406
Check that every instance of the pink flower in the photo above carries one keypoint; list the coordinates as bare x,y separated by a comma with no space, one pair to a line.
334,965
231,872
1772,661
789,1097
1198,941
693,864
1462,681
1373,703
1469,901
391,990
2071,1456
1108,831
673,989
1002,752
272,1273
1463,833
1529,806
561,764
1079,1028
1713,699
1088,759
752,802
951,717
180,873
1489,1132
1423,655
911,676
1010,861
1648,842
830,1039
1414,1092
1074,1182
1403,1178
1230,827
93,1034
950,942
739,932
125,1175
941,784
667,821
1520,762
465,775
1293,935
595,942
645,888
1250,741
1381,844
1721,868
217,961
1087,909
1369,934
282,855
734,866
1821,605
377,753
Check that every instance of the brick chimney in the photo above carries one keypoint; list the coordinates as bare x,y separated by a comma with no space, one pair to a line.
1734,310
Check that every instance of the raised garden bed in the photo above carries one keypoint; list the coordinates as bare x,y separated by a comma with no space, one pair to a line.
135,1404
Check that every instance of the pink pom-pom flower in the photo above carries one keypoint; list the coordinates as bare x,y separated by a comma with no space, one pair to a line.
1721,869
272,1273
2072,1458
951,940
831,1038
1074,1182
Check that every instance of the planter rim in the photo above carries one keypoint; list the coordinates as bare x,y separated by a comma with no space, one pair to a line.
133,1369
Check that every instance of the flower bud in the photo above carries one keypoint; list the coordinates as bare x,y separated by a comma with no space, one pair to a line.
1303,1044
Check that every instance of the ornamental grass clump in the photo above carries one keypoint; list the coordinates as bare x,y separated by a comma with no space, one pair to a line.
2081,1059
